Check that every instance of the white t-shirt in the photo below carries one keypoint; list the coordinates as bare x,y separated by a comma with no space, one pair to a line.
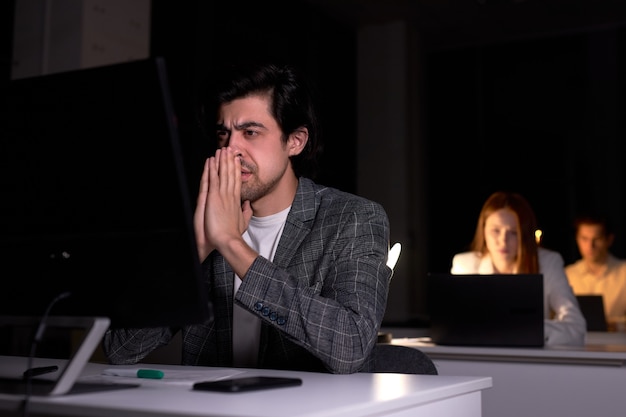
262,235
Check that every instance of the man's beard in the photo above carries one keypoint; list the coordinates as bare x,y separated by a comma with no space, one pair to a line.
254,190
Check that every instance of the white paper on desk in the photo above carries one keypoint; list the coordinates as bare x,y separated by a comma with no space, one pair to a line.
185,377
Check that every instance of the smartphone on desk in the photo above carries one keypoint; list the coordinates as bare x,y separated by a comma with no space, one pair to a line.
249,383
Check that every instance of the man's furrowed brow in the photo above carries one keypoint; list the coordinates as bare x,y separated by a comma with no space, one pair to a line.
248,125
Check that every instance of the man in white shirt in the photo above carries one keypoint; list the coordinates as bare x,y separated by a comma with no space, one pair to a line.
598,271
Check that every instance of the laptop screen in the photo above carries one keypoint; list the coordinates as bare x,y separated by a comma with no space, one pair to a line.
486,310
592,307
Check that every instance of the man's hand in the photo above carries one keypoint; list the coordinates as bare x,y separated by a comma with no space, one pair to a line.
220,217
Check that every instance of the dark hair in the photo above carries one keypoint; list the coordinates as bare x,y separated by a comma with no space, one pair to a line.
527,257
292,103
594,218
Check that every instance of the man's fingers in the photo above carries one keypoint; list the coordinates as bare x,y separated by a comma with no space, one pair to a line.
230,172
204,182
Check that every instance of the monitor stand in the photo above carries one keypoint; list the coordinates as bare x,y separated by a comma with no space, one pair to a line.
59,374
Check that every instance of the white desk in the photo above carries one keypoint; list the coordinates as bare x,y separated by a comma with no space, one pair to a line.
325,395
586,381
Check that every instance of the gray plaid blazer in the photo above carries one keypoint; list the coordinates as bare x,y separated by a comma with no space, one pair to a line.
321,301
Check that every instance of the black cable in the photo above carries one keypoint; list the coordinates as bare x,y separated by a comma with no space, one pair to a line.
33,348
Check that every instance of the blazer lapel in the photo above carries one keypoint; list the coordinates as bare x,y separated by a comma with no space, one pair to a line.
298,223
485,266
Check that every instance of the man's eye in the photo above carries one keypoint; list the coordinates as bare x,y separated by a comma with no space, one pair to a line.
222,138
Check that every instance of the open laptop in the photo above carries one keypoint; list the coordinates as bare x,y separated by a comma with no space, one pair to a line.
486,310
592,307
65,346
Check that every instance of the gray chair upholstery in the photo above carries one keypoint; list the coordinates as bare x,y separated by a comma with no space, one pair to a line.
388,358
402,359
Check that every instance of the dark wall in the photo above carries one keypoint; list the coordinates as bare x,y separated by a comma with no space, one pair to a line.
540,116
7,10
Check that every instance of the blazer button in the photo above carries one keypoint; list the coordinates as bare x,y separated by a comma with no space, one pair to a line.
273,316
258,306
281,320
266,311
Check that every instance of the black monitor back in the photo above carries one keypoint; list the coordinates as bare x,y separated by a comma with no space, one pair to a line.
95,199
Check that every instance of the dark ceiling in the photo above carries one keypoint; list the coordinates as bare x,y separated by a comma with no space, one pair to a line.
455,22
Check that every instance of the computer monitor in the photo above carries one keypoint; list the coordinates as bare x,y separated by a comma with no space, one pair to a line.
95,199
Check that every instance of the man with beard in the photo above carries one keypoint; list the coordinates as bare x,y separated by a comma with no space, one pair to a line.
296,271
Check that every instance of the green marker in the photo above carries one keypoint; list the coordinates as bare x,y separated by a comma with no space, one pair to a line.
134,373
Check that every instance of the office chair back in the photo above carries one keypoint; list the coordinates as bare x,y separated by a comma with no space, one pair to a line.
402,359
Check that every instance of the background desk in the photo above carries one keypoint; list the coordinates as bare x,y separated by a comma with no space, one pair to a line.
320,395
586,381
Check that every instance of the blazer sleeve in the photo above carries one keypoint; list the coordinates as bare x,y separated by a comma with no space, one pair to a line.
567,325
130,346
332,297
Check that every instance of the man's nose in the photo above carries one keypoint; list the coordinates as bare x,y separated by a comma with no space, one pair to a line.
235,141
